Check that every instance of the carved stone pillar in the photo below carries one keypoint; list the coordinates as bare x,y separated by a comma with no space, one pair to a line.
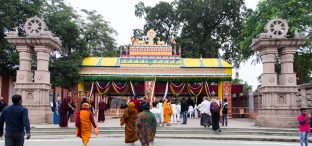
24,74
287,77
35,94
278,107
42,74
268,78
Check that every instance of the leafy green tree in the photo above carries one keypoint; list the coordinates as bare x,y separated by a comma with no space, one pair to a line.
65,70
13,13
162,18
210,25
98,35
62,20
297,13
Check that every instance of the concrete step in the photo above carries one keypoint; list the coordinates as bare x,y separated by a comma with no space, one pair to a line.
173,131
216,136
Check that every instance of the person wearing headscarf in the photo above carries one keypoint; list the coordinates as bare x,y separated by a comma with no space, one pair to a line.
137,103
215,114
129,118
167,112
146,125
84,123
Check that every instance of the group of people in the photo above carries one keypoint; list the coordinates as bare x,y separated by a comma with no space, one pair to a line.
140,123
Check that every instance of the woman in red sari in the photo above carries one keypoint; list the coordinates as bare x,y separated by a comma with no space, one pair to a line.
84,123
102,109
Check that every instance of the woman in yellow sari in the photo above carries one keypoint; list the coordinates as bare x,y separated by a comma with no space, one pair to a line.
167,112
84,123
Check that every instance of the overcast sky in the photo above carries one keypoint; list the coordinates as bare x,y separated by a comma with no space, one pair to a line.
120,14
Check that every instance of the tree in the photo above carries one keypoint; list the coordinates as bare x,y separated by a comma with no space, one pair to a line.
246,86
162,18
14,13
298,13
65,70
98,35
210,25
62,20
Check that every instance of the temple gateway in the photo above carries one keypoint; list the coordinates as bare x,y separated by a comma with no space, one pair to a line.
155,70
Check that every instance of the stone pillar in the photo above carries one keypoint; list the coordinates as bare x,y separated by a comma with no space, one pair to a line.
35,93
269,77
42,74
278,99
24,74
288,76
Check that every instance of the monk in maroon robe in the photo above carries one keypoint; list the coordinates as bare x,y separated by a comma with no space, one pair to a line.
102,109
64,111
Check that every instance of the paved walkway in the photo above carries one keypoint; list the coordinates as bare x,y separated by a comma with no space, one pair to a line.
191,123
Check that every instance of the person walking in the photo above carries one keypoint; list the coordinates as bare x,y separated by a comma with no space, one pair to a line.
2,104
174,113
215,115
17,122
167,112
178,111
146,125
304,126
102,109
156,113
161,108
129,118
196,111
64,110
204,108
84,123
184,110
225,112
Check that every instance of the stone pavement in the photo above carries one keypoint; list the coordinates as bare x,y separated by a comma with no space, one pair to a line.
191,123
158,142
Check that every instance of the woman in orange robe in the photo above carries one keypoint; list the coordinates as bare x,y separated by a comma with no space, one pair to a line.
167,112
84,123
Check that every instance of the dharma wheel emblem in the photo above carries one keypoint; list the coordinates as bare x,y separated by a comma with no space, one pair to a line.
34,26
277,28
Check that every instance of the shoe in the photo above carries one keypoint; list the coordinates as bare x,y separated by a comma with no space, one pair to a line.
219,130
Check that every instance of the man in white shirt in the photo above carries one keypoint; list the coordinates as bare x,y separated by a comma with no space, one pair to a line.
178,111
156,112
204,108
174,113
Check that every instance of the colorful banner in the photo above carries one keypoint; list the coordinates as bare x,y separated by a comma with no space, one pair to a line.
227,94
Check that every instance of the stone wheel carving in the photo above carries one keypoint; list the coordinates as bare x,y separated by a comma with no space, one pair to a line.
34,26
277,28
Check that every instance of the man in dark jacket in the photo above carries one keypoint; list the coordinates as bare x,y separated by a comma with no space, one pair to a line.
17,121
2,104
184,109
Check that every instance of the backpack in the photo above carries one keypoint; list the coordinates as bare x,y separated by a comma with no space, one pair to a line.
225,108
215,108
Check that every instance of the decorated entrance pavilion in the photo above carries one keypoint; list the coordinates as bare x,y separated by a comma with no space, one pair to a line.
155,69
